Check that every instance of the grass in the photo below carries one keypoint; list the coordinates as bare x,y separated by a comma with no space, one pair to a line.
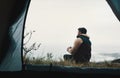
49,60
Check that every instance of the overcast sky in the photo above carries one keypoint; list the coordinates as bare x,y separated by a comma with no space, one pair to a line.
56,21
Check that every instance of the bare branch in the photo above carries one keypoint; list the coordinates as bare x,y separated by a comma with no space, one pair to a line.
28,38
34,46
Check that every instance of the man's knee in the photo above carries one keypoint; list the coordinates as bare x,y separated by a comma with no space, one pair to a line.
67,57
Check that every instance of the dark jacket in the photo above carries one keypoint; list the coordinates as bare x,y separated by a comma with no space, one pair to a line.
83,53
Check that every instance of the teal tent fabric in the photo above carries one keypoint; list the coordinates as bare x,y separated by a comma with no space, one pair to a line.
12,22
115,6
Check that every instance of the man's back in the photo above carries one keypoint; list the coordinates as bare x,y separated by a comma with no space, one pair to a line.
83,53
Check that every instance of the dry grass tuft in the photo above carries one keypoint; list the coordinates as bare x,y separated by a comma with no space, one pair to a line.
42,60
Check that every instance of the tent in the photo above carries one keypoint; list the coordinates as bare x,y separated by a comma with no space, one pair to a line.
115,6
12,23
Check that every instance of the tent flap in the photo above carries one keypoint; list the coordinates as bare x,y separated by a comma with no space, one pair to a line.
12,40
115,6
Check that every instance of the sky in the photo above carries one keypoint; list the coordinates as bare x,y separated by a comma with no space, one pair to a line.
56,22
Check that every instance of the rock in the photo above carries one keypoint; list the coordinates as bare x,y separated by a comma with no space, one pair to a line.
116,61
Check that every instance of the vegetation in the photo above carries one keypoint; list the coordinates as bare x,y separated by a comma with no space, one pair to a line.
32,47
49,60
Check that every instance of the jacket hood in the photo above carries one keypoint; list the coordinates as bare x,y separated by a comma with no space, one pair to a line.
83,35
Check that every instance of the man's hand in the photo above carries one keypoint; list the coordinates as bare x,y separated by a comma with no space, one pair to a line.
69,48
77,43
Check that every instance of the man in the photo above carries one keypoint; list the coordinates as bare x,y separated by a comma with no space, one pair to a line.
81,51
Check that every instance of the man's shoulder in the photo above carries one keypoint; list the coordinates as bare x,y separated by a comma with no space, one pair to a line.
79,40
